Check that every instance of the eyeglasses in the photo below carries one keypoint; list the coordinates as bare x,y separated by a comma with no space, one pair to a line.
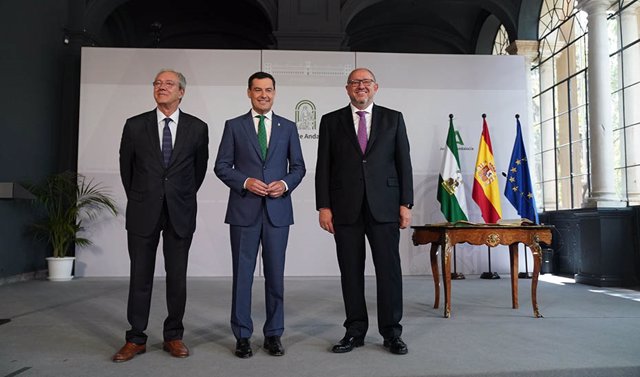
365,82
168,84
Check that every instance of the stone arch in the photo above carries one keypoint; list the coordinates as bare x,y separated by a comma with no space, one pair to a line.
97,11
528,19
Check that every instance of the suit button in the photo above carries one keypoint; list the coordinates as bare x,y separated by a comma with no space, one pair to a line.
364,161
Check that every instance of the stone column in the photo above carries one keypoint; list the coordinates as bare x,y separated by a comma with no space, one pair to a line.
600,126
604,232
528,49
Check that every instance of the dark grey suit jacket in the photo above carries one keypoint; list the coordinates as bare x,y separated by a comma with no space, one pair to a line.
147,182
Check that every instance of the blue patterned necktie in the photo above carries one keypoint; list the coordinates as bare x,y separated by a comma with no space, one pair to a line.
362,130
167,146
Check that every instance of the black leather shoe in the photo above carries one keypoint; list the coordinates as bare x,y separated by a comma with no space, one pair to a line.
243,348
396,345
347,344
273,345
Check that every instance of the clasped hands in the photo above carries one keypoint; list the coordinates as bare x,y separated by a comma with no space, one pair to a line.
274,189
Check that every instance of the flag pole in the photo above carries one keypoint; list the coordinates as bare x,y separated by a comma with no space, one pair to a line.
521,183
490,274
525,274
451,189
455,275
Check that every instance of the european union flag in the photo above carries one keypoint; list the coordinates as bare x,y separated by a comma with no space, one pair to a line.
519,190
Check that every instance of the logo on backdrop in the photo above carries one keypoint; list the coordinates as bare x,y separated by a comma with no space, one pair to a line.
459,143
306,119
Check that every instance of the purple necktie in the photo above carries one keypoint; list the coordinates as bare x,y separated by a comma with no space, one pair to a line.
167,146
362,130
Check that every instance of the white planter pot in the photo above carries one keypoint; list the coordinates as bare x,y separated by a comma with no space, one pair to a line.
60,268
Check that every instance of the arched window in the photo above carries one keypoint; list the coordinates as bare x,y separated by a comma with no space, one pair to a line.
624,43
560,108
561,148
501,42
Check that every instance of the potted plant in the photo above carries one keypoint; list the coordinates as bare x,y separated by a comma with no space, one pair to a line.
66,200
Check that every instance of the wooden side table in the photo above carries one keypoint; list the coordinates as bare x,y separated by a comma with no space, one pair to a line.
448,235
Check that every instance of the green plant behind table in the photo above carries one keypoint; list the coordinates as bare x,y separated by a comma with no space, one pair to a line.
67,199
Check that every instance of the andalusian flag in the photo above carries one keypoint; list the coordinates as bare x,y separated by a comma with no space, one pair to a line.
485,185
451,196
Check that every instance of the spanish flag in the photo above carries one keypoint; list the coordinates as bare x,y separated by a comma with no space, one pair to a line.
486,191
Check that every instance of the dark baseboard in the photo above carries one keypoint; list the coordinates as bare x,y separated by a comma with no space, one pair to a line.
34,275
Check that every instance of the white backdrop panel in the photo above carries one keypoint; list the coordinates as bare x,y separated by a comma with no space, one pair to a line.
427,88
115,85
316,77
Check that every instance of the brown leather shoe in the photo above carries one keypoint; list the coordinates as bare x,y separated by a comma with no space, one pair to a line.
176,348
128,351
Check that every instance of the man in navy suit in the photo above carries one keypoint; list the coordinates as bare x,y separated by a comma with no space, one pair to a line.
163,161
261,161
364,187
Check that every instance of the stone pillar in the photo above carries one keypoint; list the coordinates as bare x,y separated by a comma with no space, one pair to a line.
631,74
600,126
309,25
528,49
604,232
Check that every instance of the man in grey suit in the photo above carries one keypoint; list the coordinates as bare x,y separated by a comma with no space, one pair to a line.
261,161
364,187
163,161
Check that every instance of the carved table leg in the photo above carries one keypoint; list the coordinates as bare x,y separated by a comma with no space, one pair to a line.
536,251
434,272
446,275
513,258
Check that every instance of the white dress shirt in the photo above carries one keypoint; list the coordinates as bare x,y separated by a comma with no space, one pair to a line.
173,125
367,117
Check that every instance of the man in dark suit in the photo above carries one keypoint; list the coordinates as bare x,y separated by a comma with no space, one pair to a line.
163,161
364,187
261,161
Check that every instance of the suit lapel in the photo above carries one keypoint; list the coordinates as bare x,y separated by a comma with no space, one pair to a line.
154,137
348,128
276,134
250,130
183,132
376,123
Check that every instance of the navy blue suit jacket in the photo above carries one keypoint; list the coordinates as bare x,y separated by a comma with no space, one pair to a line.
239,158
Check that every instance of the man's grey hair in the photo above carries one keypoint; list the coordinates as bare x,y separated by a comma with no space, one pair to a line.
182,81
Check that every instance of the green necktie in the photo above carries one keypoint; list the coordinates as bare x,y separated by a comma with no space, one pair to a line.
262,136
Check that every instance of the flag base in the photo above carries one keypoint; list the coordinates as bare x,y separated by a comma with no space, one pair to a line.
490,275
457,276
524,275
